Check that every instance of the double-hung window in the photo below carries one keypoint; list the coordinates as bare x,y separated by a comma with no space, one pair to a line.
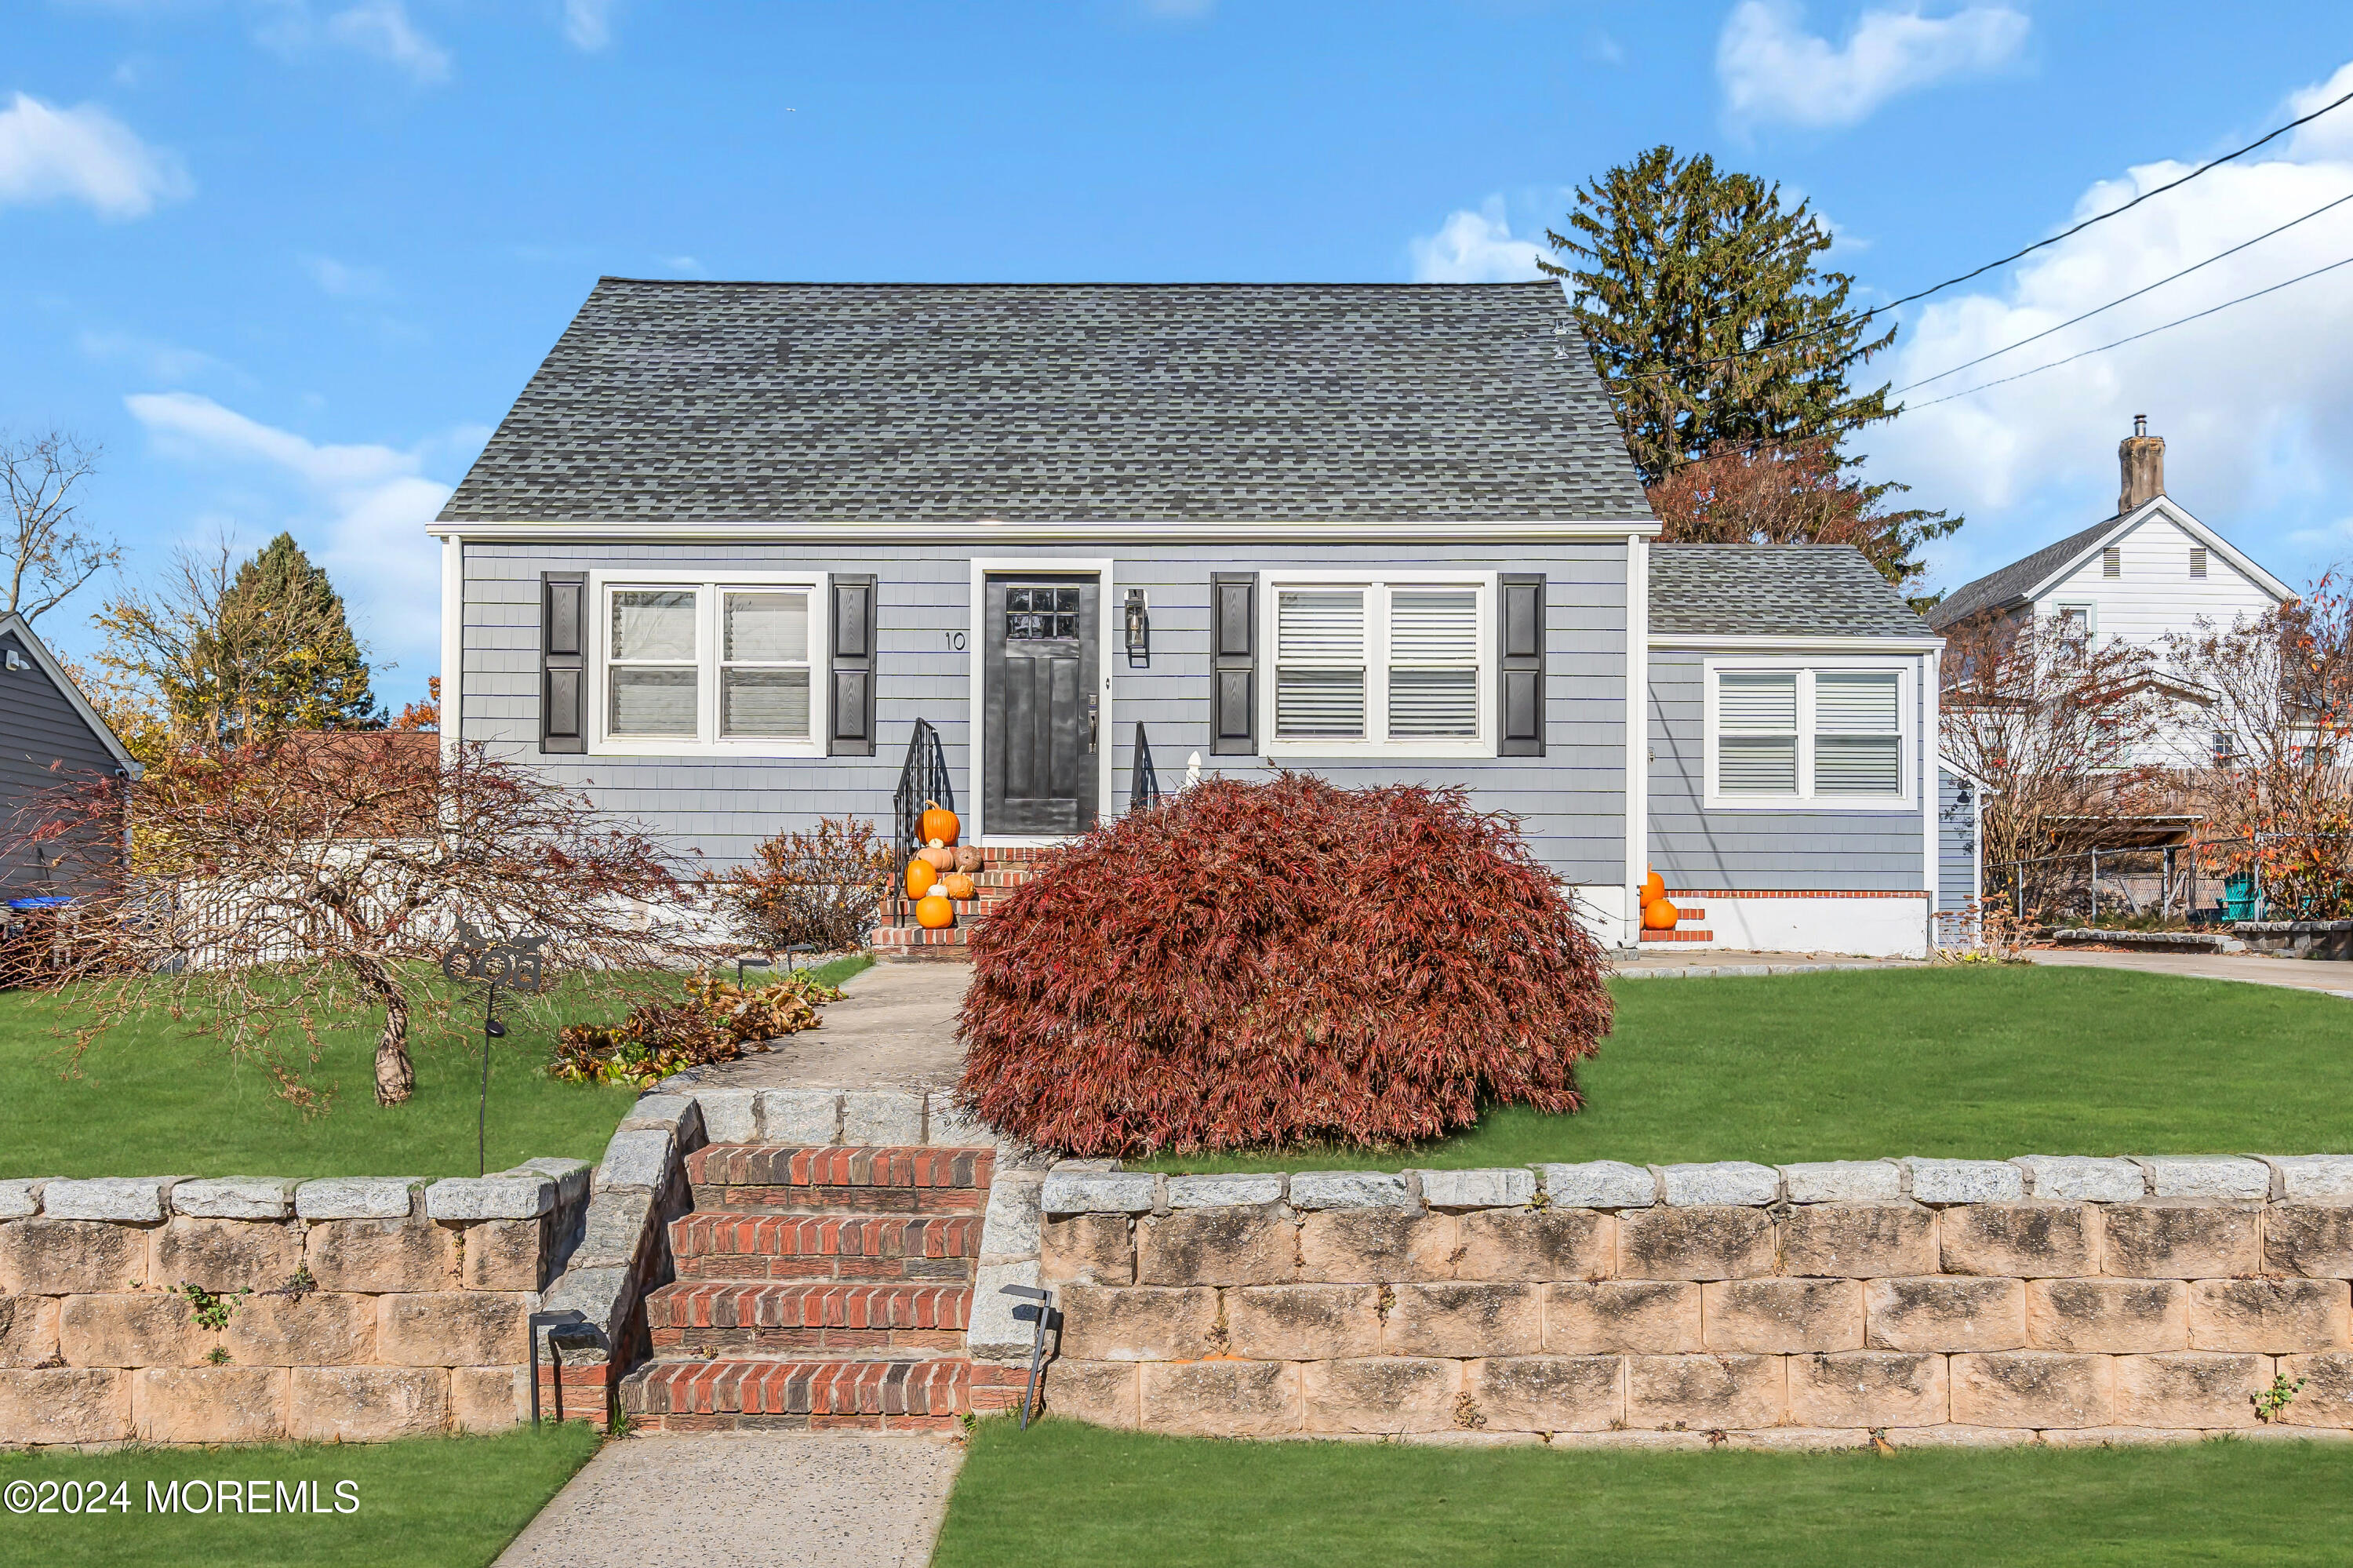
713,664
1399,667
1829,737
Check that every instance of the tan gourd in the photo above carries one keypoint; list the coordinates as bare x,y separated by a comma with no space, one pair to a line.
937,855
969,860
958,886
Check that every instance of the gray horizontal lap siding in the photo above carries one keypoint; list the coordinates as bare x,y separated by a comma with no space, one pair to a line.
1956,843
1754,851
45,747
1571,800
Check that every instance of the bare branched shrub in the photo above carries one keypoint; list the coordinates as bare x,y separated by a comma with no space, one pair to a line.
2276,781
2062,730
276,892
822,887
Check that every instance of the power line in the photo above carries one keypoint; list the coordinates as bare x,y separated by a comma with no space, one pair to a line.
2183,320
2126,299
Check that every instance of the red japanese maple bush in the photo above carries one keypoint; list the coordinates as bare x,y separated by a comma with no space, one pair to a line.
1256,965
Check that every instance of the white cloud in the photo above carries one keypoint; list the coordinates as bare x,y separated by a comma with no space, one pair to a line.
2255,403
341,278
1771,68
382,29
83,155
160,360
588,24
1475,247
369,504
679,264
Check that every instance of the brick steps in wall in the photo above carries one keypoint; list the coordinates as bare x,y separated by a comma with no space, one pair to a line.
819,1288
899,937
1680,934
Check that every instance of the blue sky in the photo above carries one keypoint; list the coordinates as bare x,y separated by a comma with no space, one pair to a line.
291,259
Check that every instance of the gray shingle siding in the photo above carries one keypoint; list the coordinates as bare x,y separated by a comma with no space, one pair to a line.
1956,844
1572,801
44,746
674,402
1737,852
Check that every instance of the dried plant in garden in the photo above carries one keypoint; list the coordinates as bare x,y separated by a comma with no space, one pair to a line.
2063,730
2276,789
717,1022
275,892
1256,965
822,888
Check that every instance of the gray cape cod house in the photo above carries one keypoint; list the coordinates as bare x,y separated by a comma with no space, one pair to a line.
734,540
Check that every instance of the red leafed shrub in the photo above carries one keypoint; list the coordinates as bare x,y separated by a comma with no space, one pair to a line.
1255,965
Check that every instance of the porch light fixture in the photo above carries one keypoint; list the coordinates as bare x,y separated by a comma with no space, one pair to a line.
1139,629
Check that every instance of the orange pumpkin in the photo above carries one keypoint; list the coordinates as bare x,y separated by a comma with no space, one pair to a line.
938,856
1654,887
1658,915
969,859
921,874
939,824
933,911
958,886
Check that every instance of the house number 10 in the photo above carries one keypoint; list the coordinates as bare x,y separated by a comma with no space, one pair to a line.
955,640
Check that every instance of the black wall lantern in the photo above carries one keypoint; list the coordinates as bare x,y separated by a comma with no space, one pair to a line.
1139,629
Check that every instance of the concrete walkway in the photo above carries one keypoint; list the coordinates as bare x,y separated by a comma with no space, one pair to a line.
739,1500
2297,974
1665,961
894,1028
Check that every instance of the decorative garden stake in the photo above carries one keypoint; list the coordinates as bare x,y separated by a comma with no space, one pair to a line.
493,961
1037,1307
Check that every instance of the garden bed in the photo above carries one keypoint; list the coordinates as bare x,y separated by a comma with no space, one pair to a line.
1939,1062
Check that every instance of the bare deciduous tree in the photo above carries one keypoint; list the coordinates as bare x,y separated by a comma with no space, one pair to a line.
48,556
2280,693
281,890
2061,729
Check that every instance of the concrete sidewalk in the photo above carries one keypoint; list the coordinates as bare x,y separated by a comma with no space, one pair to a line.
894,1028
730,1499
2325,975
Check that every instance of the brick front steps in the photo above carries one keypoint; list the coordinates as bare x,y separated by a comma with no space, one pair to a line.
819,1288
899,937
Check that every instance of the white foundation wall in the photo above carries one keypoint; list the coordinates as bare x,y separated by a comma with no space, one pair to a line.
1602,910
1863,924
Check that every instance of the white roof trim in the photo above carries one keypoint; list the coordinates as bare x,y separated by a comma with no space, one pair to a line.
983,532
14,622
1859,642
1946,765
2180,516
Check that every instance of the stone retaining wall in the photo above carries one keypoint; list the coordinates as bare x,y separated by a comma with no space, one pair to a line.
375,1308
2050,1300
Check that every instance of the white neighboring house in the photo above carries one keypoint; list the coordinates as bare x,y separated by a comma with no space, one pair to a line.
2150,571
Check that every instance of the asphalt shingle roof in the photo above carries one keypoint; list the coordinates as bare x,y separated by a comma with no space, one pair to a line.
671,401
2012,580
1775,590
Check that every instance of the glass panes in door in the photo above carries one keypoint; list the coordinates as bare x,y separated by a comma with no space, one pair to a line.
1042,614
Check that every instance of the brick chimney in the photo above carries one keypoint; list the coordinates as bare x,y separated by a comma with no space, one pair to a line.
2141,456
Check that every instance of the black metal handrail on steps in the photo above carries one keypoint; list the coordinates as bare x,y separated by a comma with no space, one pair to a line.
1143,789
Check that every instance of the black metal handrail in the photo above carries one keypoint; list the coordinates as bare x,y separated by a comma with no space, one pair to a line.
923,776
1145,789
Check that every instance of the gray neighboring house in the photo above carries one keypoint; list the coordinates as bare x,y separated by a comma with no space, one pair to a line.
50,739
734,539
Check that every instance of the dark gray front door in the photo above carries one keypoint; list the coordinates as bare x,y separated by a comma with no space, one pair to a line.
1039,714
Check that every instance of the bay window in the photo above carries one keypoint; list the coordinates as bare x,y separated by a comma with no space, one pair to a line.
1401,667
712,664
1827,736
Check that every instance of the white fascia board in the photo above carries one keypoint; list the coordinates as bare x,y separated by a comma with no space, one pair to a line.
985,532
1705,644
2179,515
64,683
1946,765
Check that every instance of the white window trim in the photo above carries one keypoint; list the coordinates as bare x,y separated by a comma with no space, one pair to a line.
1907,701
709,742
1380,584
2090,607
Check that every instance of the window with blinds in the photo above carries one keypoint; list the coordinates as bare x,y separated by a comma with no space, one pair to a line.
1389,664
1858,733
1319,663
1801,735
652,685
712,664
763,671
1756,725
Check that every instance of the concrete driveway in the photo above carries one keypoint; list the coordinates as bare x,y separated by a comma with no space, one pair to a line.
2297,974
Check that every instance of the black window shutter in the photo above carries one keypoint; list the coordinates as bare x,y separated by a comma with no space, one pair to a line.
563,661
1520,683
1233,663
853,667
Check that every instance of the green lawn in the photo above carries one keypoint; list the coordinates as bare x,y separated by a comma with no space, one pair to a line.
1964,1061
435,1503
1067,1496
148,1100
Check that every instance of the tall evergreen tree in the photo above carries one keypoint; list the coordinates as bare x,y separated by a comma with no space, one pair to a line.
1721,341
300,665
1698,293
